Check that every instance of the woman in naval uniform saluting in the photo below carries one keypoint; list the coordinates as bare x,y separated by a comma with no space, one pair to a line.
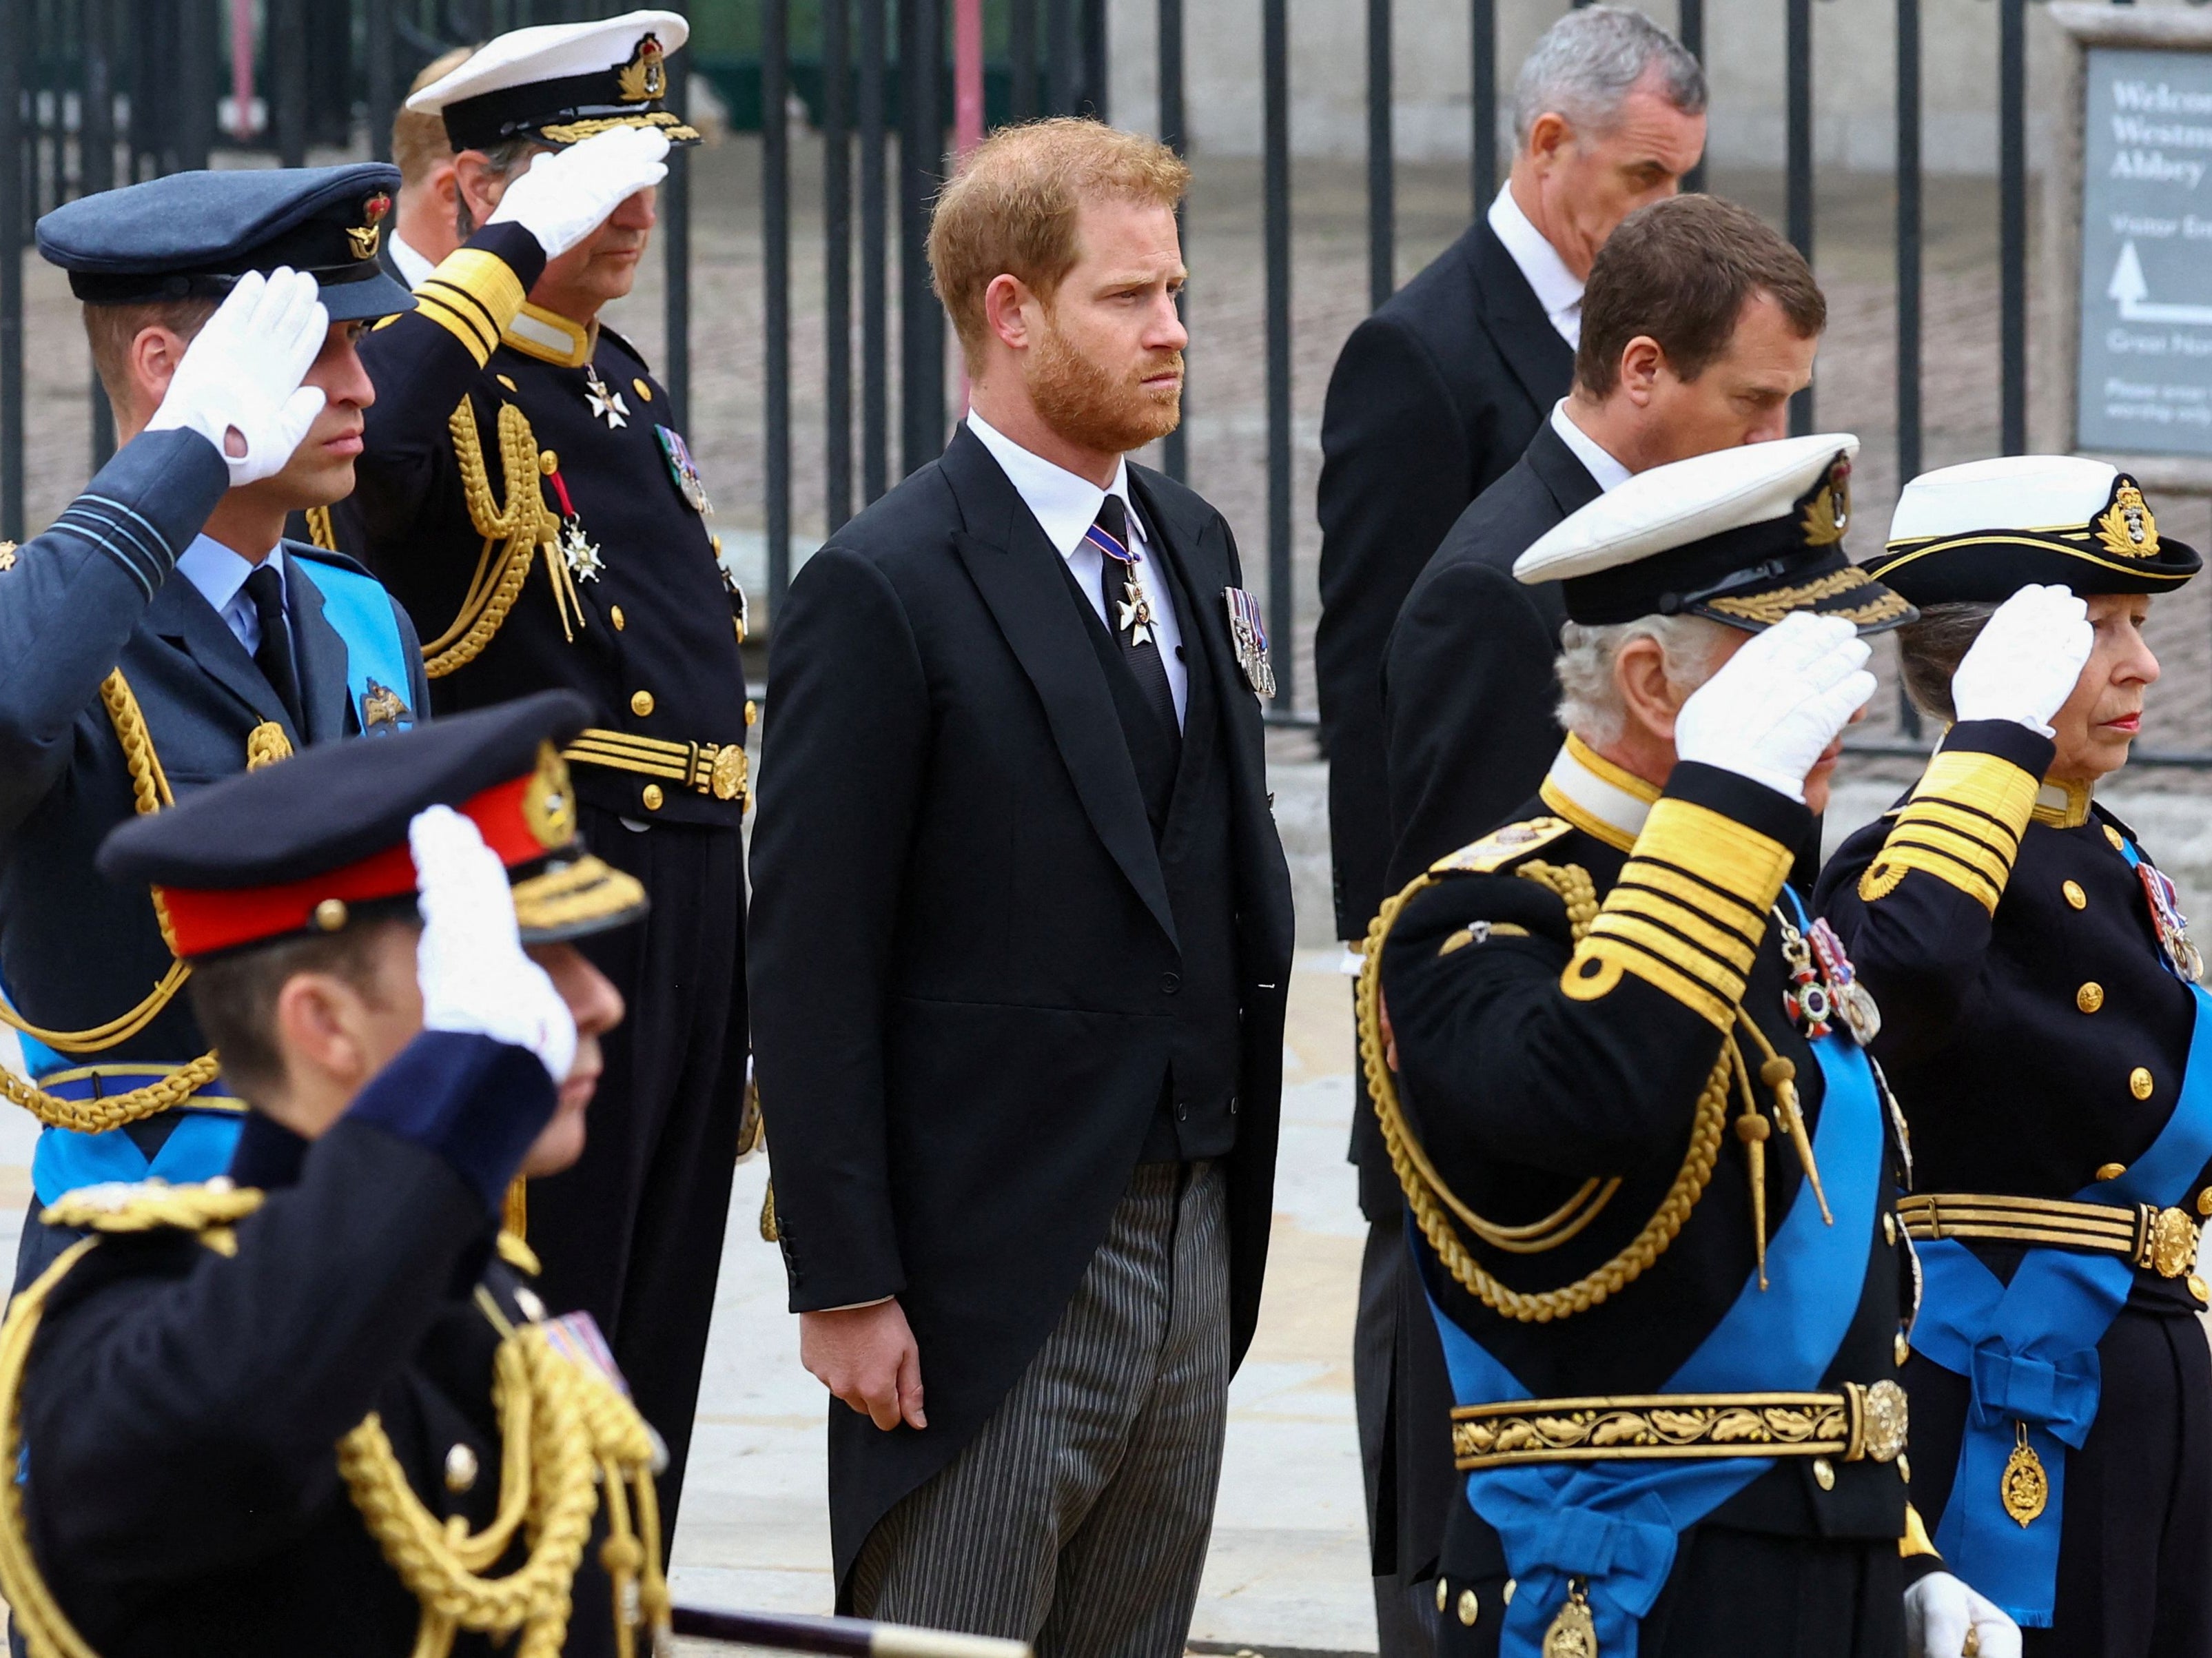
2041,1021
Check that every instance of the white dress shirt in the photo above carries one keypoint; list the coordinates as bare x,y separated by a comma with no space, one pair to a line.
1065,505
220,574
1596,460
413,267
1557,289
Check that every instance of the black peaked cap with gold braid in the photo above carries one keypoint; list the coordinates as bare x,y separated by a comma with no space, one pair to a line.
1980,532
559,83
318,842
1743,537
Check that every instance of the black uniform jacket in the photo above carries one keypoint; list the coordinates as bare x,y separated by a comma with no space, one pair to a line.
1520,1092
182,1410
1433,399
656,648
98,592
962,958
2023,994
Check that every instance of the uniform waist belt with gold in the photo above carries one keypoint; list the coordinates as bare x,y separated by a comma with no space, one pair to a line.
2145,1236
717,770
1860,1423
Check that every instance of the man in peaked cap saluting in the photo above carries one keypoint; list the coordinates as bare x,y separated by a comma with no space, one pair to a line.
162,635
316,1407
526,496
1650,1172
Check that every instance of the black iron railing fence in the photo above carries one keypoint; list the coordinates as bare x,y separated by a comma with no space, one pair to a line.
92,91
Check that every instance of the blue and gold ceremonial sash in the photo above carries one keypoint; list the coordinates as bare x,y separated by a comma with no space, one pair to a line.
359,609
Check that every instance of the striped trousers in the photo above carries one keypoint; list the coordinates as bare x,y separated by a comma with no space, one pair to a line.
1078,1518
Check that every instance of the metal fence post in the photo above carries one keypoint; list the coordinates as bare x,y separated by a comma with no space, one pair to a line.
1021,55
1382,184
837,266
676,250
12,218
921,153
1060,49
1275,56
1690,27
875,259
1174,452
2011,223
96,170
1908,276
775,299
380,41
1097,65
1799,46
286,26
196,51
1482,101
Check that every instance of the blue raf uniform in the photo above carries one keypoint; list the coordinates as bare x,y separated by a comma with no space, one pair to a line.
140,663
2052,1047
1649,1173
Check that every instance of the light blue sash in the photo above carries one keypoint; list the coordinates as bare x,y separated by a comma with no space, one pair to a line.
359,609
2028,1350
1616,1524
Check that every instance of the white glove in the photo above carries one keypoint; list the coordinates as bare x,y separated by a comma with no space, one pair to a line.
474,976
239,383
2027,659
562,198
1939,1613
1775,704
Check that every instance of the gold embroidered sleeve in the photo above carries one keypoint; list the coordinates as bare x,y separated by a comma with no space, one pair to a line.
472,295
1688,913
1962,826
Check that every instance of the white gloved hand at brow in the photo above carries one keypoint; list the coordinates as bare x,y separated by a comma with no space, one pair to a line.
2027,660
239,384
1771,710
562,197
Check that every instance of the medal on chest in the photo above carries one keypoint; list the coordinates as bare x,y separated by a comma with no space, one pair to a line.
683,469
1136,615
1248,633
1573,1633
2172,926
606,402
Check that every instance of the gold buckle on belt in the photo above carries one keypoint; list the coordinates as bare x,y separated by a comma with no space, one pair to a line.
2155,1240
718,770
1862,1422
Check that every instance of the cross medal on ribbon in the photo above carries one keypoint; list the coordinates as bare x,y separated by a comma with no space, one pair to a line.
1137,617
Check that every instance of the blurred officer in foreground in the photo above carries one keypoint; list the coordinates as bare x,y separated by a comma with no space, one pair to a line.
1649,1170
309,1409
2047,1035
162,634
526,498
1434,398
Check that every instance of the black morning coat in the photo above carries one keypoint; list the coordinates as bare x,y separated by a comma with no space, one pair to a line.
1433,399
1520,1094
182,1408
97,592
962,958
2015,1014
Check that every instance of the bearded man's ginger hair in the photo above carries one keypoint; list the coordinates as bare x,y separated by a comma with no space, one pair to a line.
1012,209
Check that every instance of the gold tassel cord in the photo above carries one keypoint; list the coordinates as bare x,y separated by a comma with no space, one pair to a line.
1753,1129
150,792
1780,1075
1430,1199
32,1611
516,528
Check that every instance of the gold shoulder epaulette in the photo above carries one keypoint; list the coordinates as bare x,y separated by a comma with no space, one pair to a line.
1501,846
153,1206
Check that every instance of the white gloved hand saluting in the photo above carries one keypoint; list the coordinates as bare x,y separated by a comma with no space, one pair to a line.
239,384
476,979
2027,659
1775,704
562,198
1944,1619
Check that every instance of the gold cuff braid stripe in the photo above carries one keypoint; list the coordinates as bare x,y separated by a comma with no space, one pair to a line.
1728,948
1965,804
472,295
1433,1203
1924,829
1701,846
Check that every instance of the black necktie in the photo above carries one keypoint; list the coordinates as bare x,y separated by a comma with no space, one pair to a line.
274,655
1127,594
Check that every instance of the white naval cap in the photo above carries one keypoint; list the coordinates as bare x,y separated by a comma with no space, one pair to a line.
1742,535
561,82
2020,490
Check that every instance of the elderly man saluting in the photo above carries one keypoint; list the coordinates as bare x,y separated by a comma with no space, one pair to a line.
1655,1215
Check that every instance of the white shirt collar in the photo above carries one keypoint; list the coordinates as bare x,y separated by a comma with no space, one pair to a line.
1557,289
1064,504
220,573
413,266
1596,796
1596,459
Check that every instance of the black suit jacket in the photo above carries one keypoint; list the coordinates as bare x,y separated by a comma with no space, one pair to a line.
961,946
1434,398
1470,700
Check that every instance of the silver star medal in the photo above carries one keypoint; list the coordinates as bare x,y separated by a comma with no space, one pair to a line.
1137,619
581,553
606,402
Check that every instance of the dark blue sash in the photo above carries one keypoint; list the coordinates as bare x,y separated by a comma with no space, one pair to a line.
2028,1350
1616,1524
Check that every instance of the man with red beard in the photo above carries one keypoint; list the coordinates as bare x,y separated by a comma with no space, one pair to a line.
1020,933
